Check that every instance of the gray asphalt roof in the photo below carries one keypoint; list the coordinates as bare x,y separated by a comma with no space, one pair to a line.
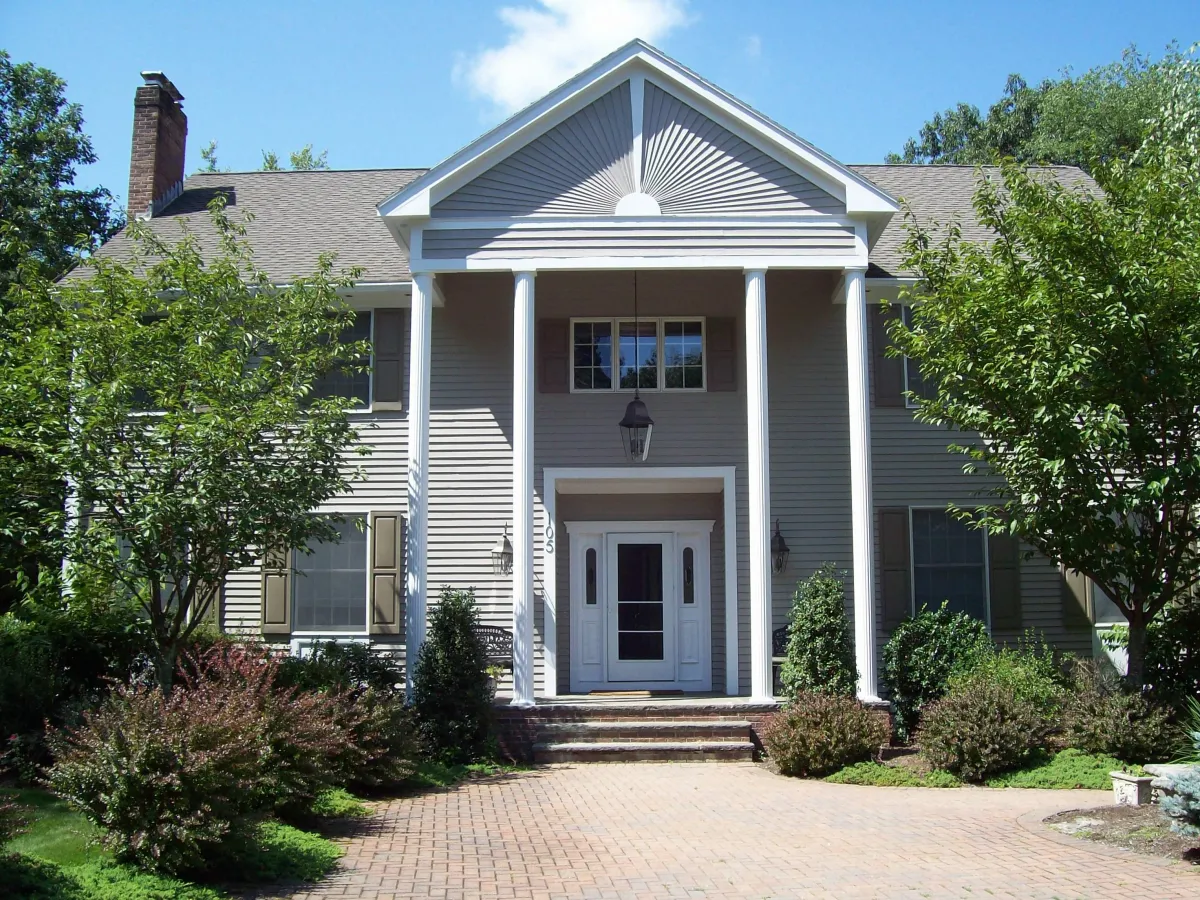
298,215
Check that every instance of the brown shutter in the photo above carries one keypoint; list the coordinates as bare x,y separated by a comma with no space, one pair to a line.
211,593
387,389
554,356
387,572
1074,599
1004,563
277,592
888,370
721,346
894,566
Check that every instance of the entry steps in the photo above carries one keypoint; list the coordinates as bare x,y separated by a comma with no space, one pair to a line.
641,738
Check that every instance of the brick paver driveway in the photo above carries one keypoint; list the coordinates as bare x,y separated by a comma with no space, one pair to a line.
730,830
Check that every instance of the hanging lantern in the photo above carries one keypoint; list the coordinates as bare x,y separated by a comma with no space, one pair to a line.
636,427
502,555
779,551
636,430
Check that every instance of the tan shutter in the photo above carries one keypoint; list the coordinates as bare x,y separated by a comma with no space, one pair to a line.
888,370
720,340
554,356
894,566
388,375
277,592
1074,599
1004,563
387,572
213,594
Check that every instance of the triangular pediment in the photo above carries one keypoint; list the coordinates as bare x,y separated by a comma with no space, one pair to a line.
637,134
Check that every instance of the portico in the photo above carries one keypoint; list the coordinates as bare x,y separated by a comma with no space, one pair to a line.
638,165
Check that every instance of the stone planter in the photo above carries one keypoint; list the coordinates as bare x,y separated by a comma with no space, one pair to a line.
1162,773
1131,790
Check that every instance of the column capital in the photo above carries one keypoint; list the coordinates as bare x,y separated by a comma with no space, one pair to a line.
755,270
531,271
855,270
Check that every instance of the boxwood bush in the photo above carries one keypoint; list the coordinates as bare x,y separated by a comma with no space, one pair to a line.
980,727
817,734
820,648
921,655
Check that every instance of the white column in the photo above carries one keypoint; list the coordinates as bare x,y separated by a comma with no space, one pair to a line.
522,489
758,446
416,579
860,483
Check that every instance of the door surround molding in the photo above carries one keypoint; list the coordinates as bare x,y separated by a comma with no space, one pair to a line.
689,642
647,479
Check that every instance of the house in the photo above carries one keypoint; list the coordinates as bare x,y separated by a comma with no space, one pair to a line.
637,247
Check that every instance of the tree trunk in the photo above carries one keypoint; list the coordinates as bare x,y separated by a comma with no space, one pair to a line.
1136,674
164,668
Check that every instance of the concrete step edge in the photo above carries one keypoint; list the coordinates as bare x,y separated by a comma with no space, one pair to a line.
643,746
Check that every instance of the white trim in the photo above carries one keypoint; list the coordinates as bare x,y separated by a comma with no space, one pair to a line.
523,327
551,477
630,263
660,339
637,525
637,99
416,572
758,452
861,513
801,220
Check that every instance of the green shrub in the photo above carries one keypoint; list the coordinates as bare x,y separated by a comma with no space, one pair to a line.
880,775
341,668
33,879
920,657
382,746
339,803
12,818
1103,717
1030,670
1183,806
979,728
279,852
101,881
820,649
1066,770
167,779
451,697
820,733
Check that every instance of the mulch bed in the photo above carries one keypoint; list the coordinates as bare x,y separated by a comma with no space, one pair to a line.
1142,829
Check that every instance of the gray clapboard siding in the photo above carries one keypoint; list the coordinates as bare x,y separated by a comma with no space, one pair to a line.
713,238
581,167
693,166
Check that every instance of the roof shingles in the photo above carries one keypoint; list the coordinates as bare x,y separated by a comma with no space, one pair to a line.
298,215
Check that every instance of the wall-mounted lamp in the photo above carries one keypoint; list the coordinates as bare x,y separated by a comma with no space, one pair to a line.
502,555
779,551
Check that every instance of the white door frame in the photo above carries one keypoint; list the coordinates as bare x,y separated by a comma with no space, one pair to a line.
687,626
643,479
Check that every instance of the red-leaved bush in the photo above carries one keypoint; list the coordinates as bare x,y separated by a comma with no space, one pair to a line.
172,780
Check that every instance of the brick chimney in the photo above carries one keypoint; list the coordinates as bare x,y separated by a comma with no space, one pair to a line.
159,140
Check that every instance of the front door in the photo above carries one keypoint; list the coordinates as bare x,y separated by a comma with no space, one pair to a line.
641,607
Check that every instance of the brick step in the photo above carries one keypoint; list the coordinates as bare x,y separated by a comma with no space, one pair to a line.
643,730
643,751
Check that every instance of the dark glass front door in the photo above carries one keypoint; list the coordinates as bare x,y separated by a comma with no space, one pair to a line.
640,613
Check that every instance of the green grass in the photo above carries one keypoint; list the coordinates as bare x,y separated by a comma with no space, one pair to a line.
56,858
339,803
879,775
55,833
1065,770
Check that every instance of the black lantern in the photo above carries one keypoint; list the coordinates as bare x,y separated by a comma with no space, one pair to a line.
636,427
779,551
502,555
636,430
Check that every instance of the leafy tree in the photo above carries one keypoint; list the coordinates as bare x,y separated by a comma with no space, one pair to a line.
1071,347
302,160
208,153
1095,118
48,224
173,392
820,649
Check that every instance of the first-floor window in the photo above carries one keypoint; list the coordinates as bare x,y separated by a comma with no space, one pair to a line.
330,585
949,563
354,385
1104,609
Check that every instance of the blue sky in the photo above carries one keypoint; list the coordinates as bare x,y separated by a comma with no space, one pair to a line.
381,84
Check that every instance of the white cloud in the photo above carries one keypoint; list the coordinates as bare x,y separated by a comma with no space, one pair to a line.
753,46
550,42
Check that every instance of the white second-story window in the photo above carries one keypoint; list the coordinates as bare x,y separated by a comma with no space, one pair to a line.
664,354
354,385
